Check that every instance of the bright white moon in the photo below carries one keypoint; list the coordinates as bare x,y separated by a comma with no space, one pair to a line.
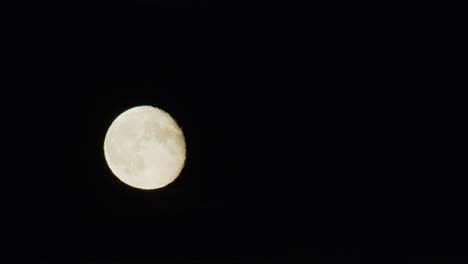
145,148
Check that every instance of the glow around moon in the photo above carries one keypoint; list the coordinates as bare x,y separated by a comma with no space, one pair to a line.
145,148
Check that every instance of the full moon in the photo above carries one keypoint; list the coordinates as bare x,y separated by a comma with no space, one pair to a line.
145,148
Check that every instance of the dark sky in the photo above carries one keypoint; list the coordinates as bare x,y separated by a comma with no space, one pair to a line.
310,135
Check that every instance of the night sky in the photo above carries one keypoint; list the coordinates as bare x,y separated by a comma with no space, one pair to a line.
312,136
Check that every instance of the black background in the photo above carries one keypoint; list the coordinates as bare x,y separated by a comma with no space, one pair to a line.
311,135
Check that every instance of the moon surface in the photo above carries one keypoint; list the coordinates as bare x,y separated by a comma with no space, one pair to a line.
145,148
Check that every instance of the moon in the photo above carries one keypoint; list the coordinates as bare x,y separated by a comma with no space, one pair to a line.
145,148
